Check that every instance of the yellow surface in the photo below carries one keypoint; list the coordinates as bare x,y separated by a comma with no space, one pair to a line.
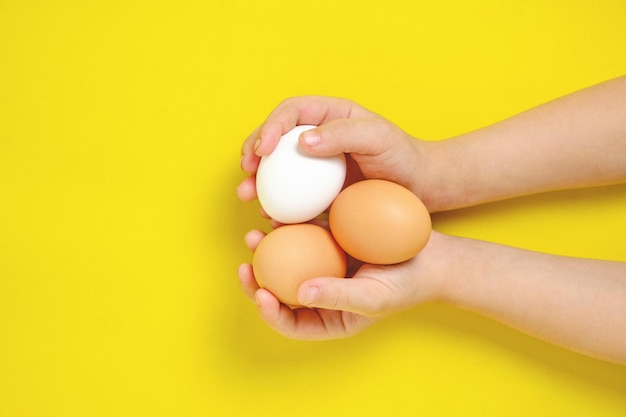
120,232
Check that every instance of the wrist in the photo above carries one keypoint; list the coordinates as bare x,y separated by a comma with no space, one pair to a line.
455,262
443,180
437,267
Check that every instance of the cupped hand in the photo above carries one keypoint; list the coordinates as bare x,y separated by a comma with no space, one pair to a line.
375,147
336,308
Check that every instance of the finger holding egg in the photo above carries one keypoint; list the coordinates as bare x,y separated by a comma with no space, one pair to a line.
249,160
293,112
305,110
308,323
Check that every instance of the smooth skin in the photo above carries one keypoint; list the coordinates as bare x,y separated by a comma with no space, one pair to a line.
575,141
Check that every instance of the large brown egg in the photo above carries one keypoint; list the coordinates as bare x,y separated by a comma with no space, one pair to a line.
379,222
292,254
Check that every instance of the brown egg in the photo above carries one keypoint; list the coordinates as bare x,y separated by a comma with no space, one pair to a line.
379,222
292,254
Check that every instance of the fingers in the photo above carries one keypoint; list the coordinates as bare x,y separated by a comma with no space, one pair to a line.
249,160
297,324
278,316
306,323
371,136
364,296
312,110
315,110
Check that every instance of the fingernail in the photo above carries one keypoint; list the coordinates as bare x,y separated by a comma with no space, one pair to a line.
311,138
311,295
257,144
241,160
257,301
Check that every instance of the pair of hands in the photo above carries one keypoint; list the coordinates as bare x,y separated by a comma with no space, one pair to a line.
374,148
575,141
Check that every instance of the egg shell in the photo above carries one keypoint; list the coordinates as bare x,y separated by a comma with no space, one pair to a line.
292,254
295,187
380,222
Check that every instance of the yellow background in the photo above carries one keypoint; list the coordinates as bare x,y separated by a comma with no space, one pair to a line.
120,233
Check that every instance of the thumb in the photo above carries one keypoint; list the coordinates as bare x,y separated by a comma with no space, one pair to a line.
363,296
363,136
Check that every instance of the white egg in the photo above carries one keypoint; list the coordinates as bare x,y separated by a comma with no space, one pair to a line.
295,187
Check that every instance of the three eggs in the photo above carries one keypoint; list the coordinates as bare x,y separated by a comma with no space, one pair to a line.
374,221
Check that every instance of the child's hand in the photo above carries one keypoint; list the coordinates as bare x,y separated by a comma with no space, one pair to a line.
375,147
343,307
